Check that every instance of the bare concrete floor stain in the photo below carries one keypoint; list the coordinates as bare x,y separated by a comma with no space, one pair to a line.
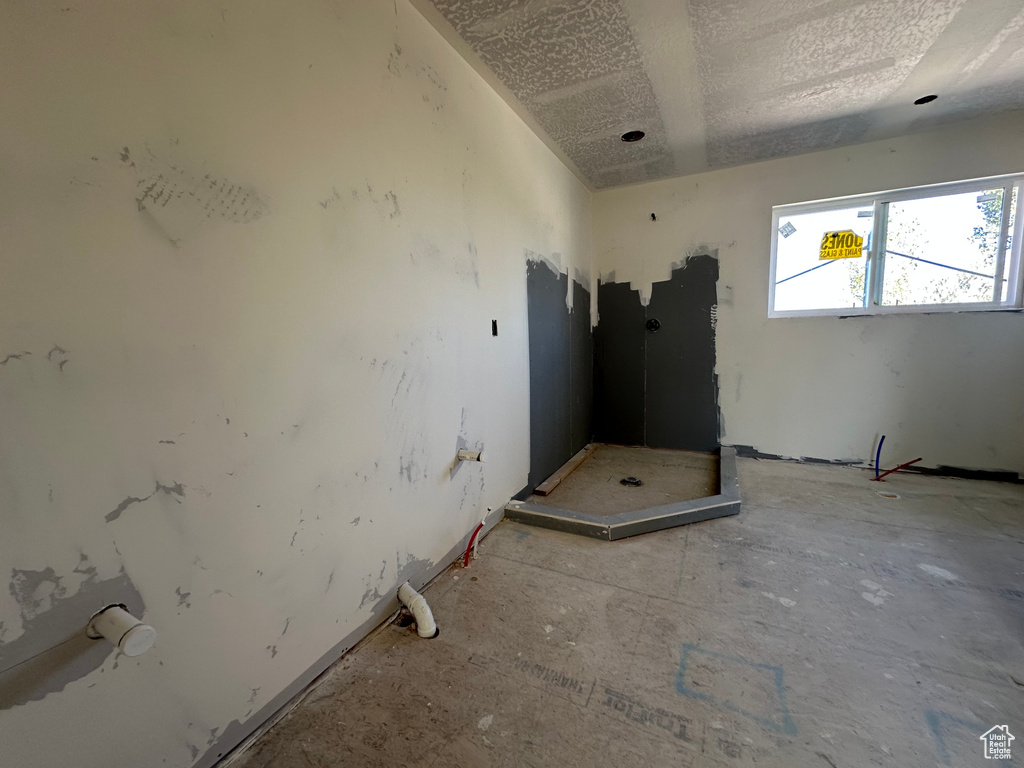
668,476
823,626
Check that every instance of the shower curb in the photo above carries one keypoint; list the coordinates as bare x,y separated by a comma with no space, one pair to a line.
635,522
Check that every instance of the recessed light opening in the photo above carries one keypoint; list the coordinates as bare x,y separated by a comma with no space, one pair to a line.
633,136
925,99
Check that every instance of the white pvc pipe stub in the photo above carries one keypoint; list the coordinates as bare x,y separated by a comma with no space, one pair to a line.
131,636
465,455
417,605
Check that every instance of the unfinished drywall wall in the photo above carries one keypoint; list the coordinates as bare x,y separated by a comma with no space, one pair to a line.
945,387
251,259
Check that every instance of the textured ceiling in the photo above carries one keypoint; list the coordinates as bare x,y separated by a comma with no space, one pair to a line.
716,83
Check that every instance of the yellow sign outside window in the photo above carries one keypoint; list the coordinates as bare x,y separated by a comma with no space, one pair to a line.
845,244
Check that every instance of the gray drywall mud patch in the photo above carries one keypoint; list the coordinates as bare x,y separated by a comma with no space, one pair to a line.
405,571
942,470
450,261
58,356
750,452
561,369
210,197
53,649
654,366
14,356
177,489
35,591
175,199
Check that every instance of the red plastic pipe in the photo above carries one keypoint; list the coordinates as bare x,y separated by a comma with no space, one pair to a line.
896,469
465,560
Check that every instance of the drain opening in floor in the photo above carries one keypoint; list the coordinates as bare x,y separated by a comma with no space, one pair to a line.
631,481
596,487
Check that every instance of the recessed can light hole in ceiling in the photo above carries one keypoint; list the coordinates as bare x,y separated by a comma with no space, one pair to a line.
925,99
632,136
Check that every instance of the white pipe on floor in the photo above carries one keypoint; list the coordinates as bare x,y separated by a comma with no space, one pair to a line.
417,604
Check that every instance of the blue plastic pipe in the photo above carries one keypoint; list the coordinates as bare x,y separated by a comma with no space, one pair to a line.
878,454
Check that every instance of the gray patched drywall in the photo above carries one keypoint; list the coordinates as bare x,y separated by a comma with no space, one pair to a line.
252,256
53,649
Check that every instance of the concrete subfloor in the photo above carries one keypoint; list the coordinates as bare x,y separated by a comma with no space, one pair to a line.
668,476
825,626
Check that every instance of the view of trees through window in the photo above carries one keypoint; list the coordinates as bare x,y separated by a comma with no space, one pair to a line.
936,250
942,250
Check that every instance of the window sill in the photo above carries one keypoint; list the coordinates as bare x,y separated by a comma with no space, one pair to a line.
915,309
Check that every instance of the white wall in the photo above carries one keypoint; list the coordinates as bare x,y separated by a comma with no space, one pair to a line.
946,387
311,342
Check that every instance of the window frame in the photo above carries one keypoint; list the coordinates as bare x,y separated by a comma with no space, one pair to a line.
876,266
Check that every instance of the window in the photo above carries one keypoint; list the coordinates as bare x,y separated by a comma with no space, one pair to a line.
944,248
